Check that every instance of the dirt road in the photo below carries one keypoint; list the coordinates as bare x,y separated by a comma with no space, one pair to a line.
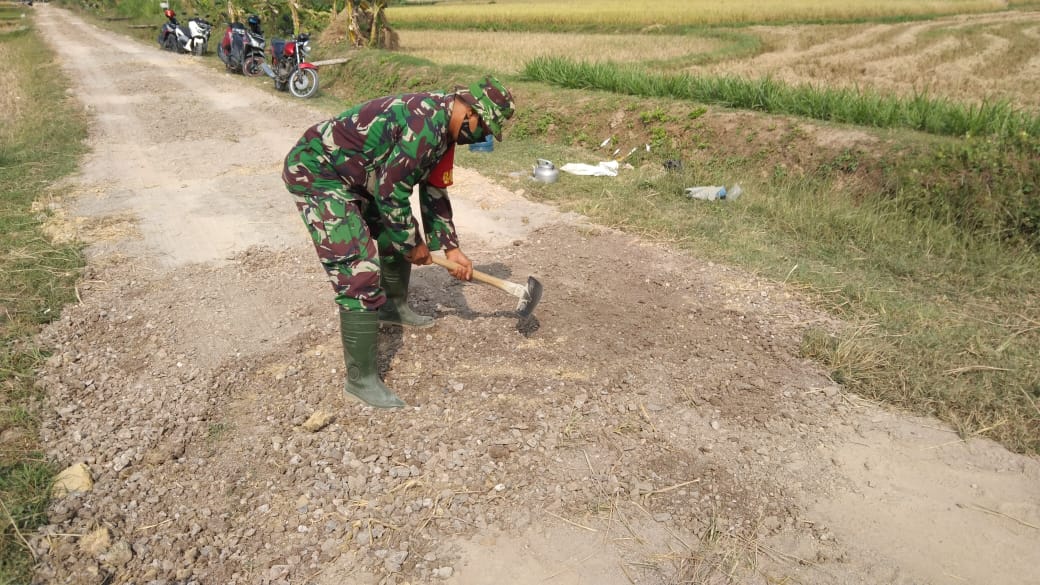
654,425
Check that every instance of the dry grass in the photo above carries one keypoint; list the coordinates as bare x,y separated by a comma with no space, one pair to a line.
504,13
13,100
987,57
506,52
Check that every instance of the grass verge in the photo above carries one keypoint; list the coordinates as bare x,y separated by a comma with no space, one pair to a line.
41,136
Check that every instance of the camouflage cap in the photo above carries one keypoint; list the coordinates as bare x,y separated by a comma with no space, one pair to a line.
491,101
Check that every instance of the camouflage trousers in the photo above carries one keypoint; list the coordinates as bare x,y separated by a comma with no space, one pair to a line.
347,233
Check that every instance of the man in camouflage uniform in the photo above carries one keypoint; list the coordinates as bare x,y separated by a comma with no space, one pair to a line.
352,177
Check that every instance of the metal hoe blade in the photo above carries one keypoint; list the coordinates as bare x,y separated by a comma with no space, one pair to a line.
530,299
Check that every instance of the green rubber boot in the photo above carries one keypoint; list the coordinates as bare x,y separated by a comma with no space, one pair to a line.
360,333
394,278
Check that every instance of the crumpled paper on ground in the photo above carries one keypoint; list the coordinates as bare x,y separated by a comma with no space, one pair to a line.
603,169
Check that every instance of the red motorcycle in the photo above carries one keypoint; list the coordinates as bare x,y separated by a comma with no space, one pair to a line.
289,66
242,49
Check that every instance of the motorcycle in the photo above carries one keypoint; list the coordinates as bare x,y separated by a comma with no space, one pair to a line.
242,50
192,39
289,66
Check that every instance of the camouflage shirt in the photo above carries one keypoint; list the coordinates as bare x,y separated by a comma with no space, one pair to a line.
382,149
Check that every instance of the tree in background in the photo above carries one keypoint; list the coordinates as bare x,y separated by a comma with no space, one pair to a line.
274,18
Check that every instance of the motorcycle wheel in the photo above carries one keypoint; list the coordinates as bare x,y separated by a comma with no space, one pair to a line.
303,83
199,49
170,44
251,67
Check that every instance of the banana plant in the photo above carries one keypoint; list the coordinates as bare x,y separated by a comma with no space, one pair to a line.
367,21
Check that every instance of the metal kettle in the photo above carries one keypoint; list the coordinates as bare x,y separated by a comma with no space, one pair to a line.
545,171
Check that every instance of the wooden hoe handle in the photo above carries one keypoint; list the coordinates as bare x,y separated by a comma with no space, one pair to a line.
510,287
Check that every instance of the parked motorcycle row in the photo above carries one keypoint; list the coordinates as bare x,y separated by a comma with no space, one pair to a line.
243,49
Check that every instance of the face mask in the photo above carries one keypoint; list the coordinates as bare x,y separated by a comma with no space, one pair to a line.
467,136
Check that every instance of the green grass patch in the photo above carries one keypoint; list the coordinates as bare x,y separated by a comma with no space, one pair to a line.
41,137
933,115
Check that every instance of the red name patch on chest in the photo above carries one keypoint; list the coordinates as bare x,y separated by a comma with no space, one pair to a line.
440,176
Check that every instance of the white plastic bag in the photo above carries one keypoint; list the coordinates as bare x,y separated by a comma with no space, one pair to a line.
709,193
713,192
604,169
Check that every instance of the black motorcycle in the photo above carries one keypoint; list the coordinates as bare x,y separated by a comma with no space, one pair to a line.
242,49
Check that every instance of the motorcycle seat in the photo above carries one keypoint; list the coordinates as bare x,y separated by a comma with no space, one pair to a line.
278,47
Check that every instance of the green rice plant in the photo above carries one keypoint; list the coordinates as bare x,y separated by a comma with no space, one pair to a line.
934,115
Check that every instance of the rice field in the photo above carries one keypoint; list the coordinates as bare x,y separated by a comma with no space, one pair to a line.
506,14
508,52
980,58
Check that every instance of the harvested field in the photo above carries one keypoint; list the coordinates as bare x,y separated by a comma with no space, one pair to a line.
970,58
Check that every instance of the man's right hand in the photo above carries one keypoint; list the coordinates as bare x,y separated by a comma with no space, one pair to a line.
464,269
419,255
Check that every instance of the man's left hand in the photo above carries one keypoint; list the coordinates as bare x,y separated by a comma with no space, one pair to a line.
419,255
